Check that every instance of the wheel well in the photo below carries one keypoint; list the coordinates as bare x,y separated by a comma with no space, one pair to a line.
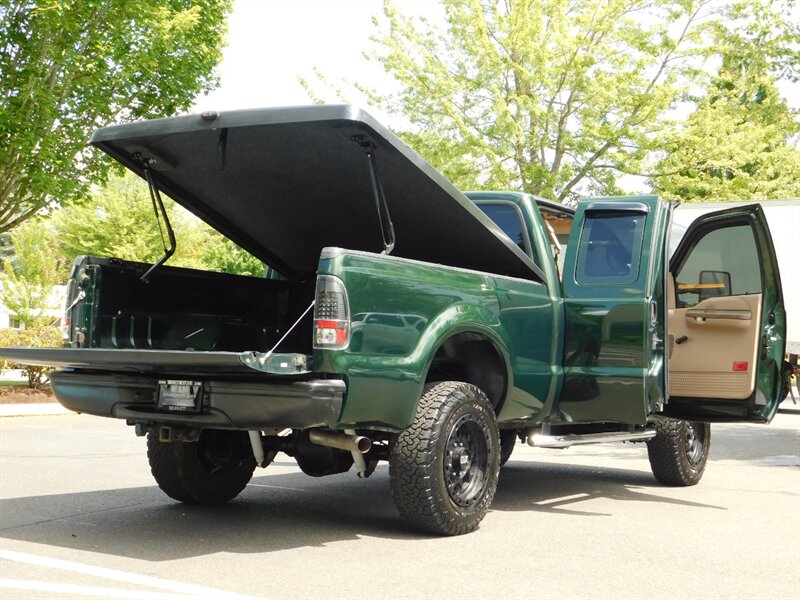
471,358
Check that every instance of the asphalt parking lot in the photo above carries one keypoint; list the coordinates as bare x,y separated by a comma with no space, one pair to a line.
81,517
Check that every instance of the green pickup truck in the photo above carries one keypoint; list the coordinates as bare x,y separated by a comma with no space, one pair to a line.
402,320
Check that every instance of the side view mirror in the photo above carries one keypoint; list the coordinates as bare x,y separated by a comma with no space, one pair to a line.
714,284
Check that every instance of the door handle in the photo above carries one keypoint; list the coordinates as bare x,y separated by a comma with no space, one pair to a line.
719,313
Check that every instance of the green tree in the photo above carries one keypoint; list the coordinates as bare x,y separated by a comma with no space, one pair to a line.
68,67
28,277
546,96
551,97
732,148
119,222
44,336
221,254
453,157
742,140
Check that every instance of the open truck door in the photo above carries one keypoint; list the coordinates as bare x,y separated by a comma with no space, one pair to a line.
726,320
615,311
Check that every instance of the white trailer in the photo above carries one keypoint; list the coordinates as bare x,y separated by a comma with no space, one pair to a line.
783,217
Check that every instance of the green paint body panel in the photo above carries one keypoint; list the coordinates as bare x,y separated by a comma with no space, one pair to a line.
460,297
584,348
424,305
614,351
572,350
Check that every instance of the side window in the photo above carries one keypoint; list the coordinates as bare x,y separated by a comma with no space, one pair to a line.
610,248
723,262
508,218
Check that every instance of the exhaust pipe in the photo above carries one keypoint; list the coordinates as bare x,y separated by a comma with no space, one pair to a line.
342,441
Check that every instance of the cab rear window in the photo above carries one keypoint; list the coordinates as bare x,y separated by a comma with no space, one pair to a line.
509,219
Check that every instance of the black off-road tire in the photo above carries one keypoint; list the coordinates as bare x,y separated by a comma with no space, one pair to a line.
213,470
679,452
444,467
508,439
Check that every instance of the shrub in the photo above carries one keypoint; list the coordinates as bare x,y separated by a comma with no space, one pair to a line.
36,337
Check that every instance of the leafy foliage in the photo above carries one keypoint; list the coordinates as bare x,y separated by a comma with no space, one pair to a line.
550,97
453,157
119,222
733,148
221,254
559,98
29,276
68,67
36,337
742,140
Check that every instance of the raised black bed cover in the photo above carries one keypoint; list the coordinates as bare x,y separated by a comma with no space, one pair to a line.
284,183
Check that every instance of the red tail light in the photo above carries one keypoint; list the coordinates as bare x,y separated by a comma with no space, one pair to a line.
331,314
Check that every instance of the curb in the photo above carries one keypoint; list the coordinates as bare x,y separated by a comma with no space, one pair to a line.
32,410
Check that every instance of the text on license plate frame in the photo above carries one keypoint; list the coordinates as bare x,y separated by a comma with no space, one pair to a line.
179,395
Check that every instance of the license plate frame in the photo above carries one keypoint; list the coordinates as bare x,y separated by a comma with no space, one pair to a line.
179,395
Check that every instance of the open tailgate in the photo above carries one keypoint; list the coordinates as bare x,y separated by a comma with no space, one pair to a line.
160,361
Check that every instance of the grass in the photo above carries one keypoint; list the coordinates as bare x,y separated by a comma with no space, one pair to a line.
11,383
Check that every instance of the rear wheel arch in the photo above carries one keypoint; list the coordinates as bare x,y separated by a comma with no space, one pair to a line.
472,357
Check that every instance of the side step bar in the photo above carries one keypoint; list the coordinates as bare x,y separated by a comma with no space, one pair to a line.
540,440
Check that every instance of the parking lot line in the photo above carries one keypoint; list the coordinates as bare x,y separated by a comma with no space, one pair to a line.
144,580
86,591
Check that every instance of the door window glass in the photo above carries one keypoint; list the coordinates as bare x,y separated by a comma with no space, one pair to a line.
610,248
724,262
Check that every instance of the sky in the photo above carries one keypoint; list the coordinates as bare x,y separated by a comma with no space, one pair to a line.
271,43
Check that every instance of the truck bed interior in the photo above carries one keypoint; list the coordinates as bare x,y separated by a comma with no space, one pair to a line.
187,309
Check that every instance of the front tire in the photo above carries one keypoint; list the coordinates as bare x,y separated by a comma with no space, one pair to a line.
679,452
444,467
212,470
508,439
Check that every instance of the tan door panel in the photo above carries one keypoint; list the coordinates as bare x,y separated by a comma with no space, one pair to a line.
716,356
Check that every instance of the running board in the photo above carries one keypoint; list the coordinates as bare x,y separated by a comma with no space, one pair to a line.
539,440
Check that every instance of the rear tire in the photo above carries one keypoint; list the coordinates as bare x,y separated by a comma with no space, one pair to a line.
679,452
444,467
212,470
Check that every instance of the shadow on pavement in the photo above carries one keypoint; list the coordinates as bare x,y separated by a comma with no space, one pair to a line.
273,513
549,487
290,510
284,511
